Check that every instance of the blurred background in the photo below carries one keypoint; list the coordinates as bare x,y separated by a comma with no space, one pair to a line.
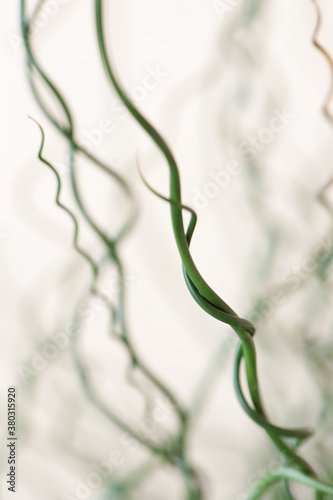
237,90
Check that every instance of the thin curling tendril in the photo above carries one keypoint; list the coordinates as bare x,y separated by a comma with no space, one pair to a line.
195,282
174,452
163,453
82,252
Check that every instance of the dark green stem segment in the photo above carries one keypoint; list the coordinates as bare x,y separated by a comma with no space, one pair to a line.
203,293
211,302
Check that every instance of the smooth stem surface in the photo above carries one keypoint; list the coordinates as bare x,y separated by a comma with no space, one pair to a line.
200,290
293,475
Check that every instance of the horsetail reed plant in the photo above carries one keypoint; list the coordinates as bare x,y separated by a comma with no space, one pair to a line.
174,450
